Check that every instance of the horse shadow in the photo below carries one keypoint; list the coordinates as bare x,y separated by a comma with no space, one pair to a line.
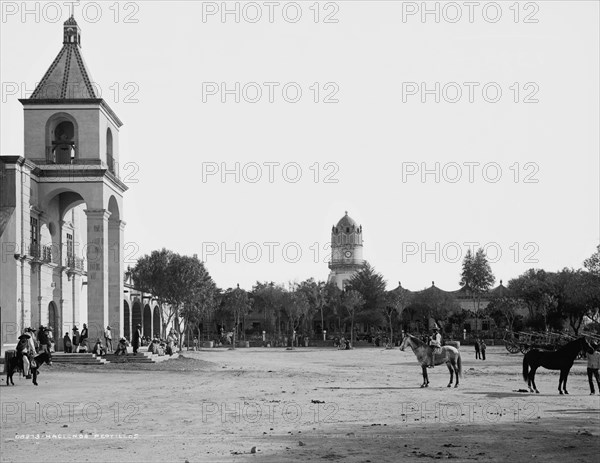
370,388
504,395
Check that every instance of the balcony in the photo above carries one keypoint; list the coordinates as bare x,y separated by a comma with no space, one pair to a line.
41,253
74,263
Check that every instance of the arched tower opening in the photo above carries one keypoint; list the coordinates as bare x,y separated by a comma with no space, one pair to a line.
126,321
109,151
61,139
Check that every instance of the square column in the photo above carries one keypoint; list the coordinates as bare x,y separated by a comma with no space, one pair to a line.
97,255
116,284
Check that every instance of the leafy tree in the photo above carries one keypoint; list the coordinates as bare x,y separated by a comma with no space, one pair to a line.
315,293
191,291
504,310
536,288
578,295
592,263
237,303
333,302
295,307
396,301
151,275
268,299
371,286
436,304
181,283
458,318
352,301
477,278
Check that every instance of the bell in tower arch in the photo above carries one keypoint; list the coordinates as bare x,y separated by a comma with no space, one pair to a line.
63,145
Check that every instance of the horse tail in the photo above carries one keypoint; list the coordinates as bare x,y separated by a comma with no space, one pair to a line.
525,367
459,364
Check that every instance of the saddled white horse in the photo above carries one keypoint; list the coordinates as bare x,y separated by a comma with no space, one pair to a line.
447,354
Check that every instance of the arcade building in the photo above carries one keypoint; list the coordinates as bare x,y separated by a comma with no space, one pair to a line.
61,212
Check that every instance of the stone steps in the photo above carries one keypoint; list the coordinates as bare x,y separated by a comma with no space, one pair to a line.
141,357
79,359
92,359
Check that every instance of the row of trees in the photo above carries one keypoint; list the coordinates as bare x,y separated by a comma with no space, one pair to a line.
190,297
549,298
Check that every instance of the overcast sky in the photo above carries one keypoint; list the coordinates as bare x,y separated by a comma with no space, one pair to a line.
518,171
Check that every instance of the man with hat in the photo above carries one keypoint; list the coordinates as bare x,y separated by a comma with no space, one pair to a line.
25,350
108,339
75,339
435,342
43,339
137,336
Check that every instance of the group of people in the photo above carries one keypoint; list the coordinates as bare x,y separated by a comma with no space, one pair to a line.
161,347
31,343
79,342
480,349
156,345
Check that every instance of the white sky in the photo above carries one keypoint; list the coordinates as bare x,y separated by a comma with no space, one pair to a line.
368,135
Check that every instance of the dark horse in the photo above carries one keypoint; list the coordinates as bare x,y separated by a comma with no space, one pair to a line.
562,360
12,365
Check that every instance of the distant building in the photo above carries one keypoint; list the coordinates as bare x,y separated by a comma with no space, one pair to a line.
415,320
346,251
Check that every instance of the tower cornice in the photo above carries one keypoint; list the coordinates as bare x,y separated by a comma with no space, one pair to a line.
73,102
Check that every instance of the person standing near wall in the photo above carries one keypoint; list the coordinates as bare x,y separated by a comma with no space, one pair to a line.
108,339
137,337
75,339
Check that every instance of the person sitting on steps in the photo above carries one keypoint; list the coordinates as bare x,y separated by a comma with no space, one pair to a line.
435,342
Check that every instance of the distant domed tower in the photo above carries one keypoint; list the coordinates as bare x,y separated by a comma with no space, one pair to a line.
346,250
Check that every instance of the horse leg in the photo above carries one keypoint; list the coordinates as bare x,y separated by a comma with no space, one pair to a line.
456,372
560,381
532,376
565,376
451,369
425,380
34,373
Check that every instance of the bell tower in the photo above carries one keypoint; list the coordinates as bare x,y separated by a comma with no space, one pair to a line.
346,250
72,140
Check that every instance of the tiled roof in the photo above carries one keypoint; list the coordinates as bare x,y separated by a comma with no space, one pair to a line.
346,221
66,78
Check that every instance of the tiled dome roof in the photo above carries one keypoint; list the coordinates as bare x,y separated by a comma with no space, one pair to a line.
346,221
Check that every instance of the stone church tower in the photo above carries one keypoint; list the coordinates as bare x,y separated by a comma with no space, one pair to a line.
346,250
61,208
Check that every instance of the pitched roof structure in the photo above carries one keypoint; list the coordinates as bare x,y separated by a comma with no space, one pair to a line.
67,77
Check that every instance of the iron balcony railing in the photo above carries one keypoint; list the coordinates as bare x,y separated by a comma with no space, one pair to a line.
42,253
74,262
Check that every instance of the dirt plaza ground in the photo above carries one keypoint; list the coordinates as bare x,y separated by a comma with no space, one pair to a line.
318,404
